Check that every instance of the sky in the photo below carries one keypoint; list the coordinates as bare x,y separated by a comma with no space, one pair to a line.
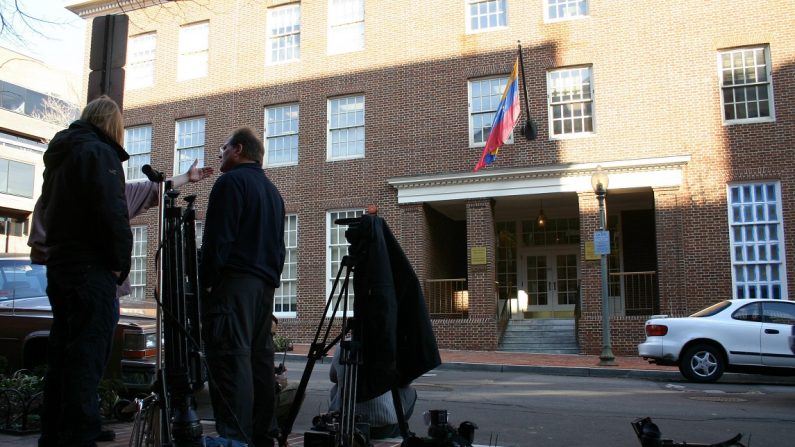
59,43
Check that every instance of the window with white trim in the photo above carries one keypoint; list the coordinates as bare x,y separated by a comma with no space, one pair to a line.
484,97
140,68
138,265
484,15
345,128
336,248
193,51
570,93
284,34
138,143
746,85
757,240
189,144
346,26
285,300
281,135
565,9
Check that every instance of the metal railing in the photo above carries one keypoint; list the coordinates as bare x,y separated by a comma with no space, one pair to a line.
638,293
447,298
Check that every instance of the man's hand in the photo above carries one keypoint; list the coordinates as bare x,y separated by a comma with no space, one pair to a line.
197,174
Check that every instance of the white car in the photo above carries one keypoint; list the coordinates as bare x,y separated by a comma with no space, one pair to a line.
748,335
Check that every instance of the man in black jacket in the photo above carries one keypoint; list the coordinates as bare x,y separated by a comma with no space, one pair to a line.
88,238
242,258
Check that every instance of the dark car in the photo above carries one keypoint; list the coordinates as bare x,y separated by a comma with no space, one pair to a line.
25,319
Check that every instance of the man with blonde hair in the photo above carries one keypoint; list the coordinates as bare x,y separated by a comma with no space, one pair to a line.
89,245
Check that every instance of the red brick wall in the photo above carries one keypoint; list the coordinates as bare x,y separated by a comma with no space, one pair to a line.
656,94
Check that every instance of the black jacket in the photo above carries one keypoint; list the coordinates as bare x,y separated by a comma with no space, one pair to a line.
84,210
397,339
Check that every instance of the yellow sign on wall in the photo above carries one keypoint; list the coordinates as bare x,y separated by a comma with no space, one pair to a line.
478,256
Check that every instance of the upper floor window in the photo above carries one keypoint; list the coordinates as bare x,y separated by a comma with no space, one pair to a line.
484,15
281,135
140,61
193,51
13,226
138,143
484,97
285,300
16,178
757,240
570,94
189,144
345,128
746,85
346,26
565,9
284,33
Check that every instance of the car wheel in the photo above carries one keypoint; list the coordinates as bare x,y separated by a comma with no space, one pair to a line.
702,363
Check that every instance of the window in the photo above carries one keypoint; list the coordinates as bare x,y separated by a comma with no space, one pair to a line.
757,242
16,178
346,26
750,312
284,33
746,87
281,135
13,226
138,143
779,313
138,266
483,15
198,227
337,247
140,61
190,144
570,101
346,128
193,51
285,300
565,9
484,97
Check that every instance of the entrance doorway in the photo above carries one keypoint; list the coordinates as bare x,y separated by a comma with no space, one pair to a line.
549,281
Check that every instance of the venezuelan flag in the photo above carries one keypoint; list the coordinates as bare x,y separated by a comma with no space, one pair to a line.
505,119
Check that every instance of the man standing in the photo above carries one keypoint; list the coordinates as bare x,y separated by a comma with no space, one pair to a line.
242,258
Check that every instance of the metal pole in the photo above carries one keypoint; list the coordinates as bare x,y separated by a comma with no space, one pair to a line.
606,358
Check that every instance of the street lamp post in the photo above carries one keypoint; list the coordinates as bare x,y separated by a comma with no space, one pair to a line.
599,181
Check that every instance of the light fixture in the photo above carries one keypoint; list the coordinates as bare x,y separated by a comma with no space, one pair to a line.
541,219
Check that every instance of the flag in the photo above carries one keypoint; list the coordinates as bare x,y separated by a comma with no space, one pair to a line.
505,119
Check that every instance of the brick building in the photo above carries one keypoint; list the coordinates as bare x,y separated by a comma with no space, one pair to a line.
686,107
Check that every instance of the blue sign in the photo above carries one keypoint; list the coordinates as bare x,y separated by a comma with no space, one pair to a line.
601,242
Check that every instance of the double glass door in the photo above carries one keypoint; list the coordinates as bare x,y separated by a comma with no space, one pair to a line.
549,279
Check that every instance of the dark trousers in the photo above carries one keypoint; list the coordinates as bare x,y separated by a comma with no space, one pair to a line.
85,312
236,329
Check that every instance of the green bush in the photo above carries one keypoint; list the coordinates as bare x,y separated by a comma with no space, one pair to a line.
282,343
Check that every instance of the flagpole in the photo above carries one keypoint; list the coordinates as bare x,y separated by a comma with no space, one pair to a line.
529,130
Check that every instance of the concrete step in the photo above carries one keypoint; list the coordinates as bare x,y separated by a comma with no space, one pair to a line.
531,350
547,336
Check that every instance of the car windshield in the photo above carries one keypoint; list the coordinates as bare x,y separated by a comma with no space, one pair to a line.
712,310
21,279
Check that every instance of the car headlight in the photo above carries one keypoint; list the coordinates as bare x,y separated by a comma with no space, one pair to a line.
138,345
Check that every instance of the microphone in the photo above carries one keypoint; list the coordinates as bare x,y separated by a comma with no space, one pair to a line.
152,175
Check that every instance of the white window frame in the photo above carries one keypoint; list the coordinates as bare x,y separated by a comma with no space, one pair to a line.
141,52
194,49
345,26
756,239
182,145
138,263
138,143
581,101
281,130
573,10
742,53
284,32
287,293
198,228
335,131
497,3
487,113
336,248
